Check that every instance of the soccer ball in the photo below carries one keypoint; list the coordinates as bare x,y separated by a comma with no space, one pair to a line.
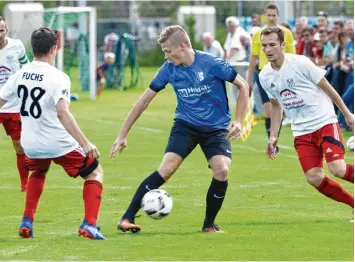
157,203
350,144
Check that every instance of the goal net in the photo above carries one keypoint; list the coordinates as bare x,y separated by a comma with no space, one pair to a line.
76,54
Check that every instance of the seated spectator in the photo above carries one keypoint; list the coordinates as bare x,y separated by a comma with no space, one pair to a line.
212,46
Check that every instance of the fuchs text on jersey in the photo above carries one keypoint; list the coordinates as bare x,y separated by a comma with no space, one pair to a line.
32,76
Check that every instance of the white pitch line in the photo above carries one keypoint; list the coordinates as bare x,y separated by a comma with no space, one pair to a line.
115,123
253,149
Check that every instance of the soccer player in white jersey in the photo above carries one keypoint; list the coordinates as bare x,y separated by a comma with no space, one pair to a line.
50,133
12,56
297,86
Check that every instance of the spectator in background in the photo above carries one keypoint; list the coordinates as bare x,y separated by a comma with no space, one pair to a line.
255,24
255,20
322,20
323,38
318,50
301,24
245,41
309,44
349,30
101,68
235,52
212,46
338,27
340,66
330,48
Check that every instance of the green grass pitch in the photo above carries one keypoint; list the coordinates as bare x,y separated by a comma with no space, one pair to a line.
270,212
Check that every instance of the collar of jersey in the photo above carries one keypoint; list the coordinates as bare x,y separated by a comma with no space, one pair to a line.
40,63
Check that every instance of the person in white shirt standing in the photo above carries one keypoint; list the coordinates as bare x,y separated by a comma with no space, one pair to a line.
235,52
294,84
12,56
212,46
50,133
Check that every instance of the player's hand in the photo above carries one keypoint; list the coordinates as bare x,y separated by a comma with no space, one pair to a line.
271,148
118,145
91,150
234,129
350,121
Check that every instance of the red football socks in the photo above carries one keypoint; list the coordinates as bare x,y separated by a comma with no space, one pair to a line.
34,190
92,200
349,174
333,190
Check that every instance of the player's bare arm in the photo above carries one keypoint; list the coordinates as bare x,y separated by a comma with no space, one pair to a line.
334,96
69,123
142,103
276,117
242,103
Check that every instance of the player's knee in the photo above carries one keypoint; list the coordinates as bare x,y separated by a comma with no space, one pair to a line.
338,169
97,174
315,177
167,170
221,172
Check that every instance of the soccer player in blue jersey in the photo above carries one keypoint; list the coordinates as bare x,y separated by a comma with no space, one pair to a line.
202,117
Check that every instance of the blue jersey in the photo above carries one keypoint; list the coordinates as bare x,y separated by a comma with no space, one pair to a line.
200,90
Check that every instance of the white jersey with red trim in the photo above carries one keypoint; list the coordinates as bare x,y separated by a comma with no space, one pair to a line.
39,87
295,86
12,56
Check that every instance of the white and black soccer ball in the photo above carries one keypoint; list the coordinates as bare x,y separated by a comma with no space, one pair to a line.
157,203
350,144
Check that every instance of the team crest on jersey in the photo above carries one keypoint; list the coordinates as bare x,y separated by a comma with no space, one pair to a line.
9,59
290,83
65,92
200,76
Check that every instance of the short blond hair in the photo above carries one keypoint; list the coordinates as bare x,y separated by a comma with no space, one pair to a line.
175,34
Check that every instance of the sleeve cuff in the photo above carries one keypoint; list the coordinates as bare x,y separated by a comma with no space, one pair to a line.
156,88
233,76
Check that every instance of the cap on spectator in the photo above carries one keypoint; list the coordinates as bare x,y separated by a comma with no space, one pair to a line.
232,19
322,13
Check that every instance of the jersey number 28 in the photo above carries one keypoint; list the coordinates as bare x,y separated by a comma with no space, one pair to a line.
36,94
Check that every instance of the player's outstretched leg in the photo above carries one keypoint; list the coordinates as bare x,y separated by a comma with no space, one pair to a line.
216,192
92,192
154,181
34,191
329,187
342,170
